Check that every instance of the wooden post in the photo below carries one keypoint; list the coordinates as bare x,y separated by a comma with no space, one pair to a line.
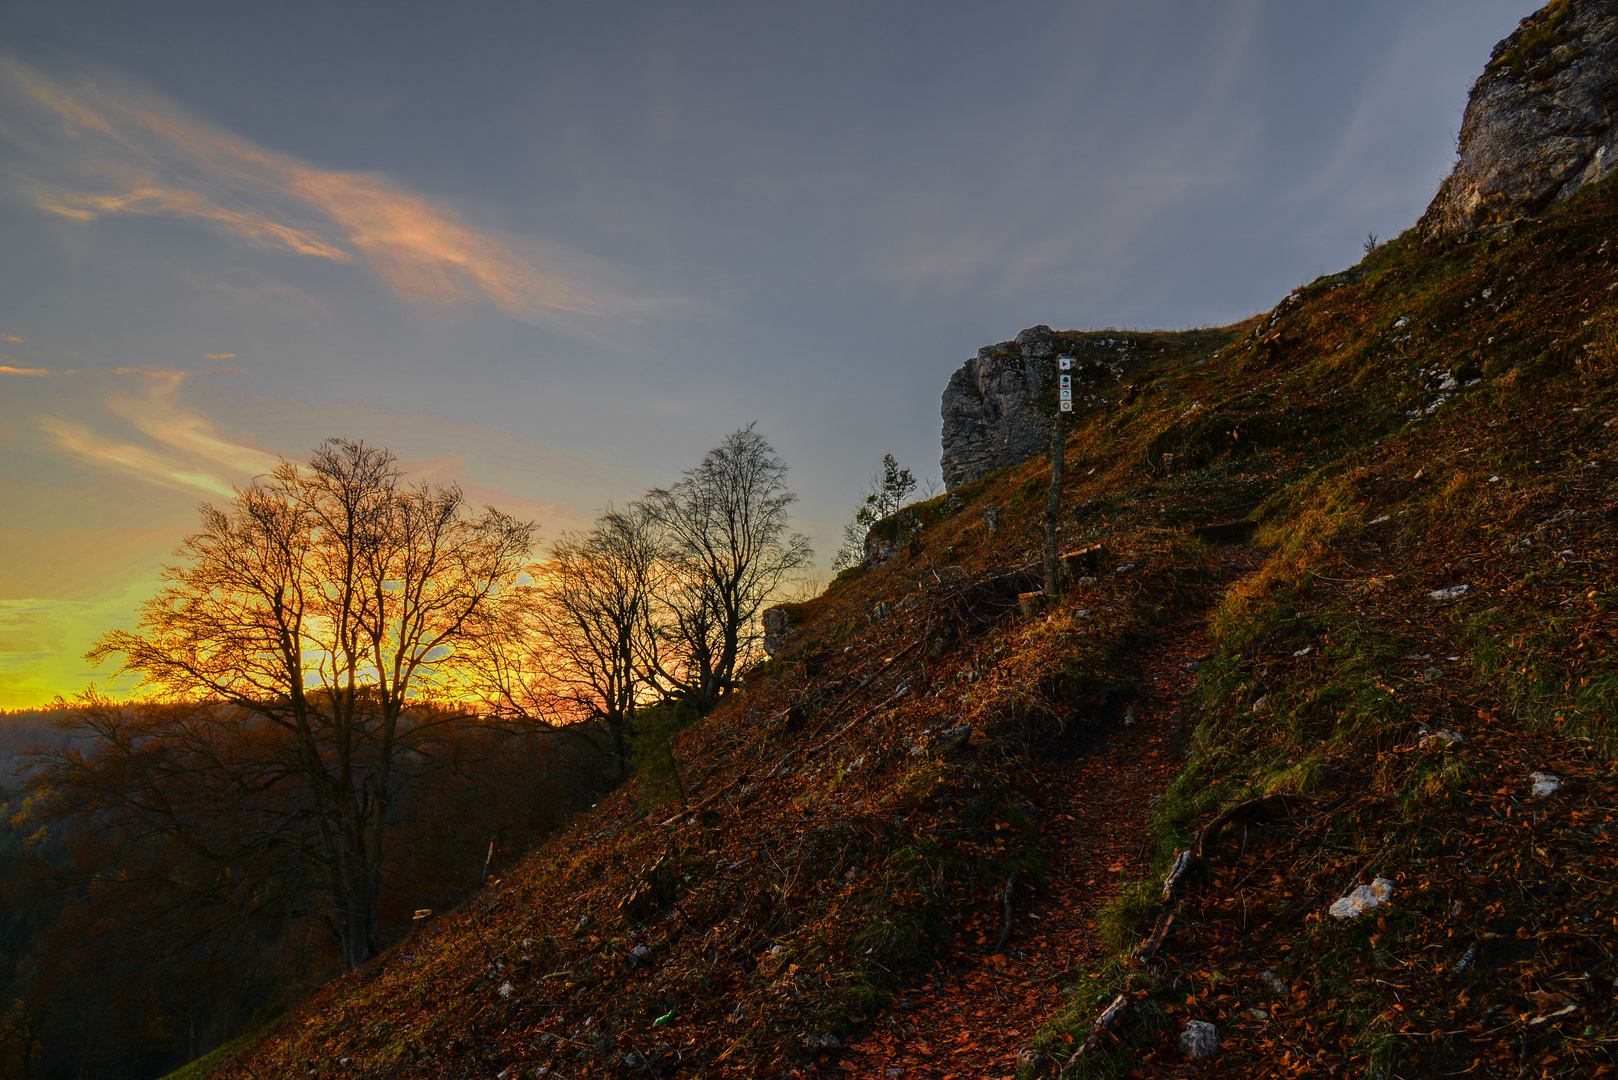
1053,571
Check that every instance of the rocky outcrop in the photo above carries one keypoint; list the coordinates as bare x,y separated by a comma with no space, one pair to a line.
998,406
777,628
1540,123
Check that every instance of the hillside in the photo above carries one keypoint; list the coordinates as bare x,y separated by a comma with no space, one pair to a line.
930,838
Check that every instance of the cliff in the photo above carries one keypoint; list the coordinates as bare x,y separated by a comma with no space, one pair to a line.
998,406
1540,122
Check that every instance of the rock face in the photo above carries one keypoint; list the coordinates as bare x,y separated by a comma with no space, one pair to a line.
1540,122
990,418
777,626
999,405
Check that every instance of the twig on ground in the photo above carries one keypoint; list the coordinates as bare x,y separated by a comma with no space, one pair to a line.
1006,897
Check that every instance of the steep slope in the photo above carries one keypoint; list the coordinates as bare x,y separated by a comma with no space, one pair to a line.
1422,618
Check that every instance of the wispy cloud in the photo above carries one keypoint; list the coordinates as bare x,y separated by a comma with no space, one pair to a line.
143,462
191,454
102,147
33,371
219,356
9,337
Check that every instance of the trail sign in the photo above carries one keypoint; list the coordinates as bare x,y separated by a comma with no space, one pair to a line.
1065,363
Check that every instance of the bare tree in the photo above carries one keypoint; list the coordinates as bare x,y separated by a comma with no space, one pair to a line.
309,621
584,628
727,549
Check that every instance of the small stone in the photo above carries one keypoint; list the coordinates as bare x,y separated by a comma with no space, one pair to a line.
822,1043
1453,592
951,739
1199,1040
991,519
1272,982
1545,784
641,951
506,990
1442,739
1129,716
1305,651
1362,899
1257,1013
1030,1063
1261,707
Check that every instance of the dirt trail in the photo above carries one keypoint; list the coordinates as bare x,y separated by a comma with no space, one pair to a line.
1096,802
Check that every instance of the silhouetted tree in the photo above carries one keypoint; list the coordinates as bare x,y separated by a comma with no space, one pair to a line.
294,644
579,641
727,549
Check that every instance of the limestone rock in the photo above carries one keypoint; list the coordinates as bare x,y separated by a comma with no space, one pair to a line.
1362,899
1545,784
1272,982
777,626
1031,1064
999,405
1539,124
951,739
1199,1040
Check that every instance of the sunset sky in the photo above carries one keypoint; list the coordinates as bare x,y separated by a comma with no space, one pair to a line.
555,251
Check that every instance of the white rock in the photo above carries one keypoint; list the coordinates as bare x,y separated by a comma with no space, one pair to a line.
1261,707
1545,784
1454,592
1362,899
506,989
1199,1040
1272,982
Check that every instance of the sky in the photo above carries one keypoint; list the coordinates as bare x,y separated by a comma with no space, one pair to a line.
554,252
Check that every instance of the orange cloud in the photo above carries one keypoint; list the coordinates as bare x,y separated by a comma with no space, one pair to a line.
125,151
159,416
422,252
124,457
23,371
219,356
9,337
254,228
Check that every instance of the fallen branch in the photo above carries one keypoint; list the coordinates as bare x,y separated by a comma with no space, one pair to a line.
1185,861
1110,1018
1158,935
1005,902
